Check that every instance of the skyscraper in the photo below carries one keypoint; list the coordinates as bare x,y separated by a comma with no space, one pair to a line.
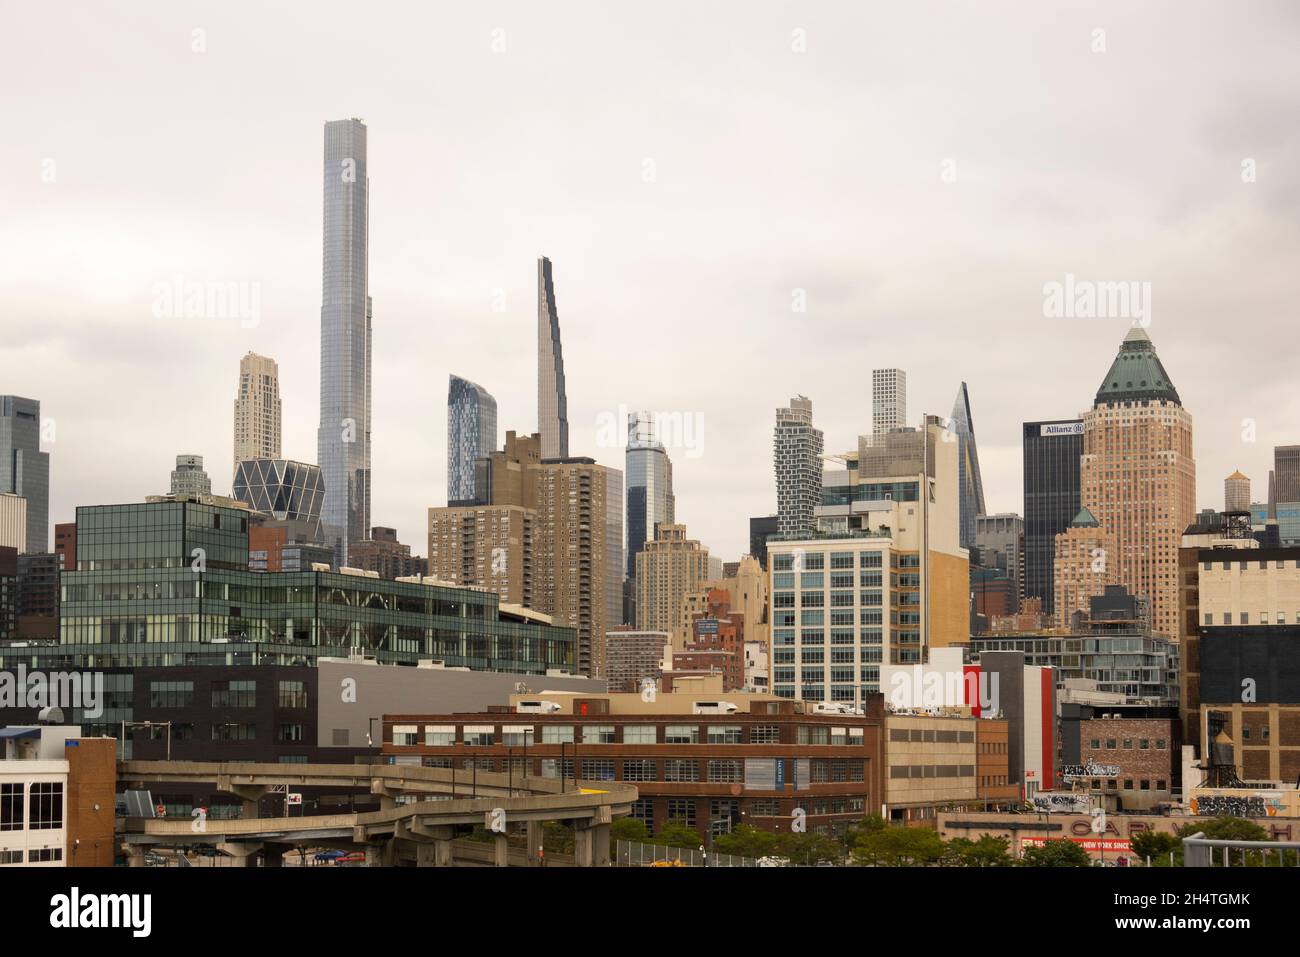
24,468
188,478
650,501
552,406
257,409
1051,487
1286,469
970,485
888,399
668,568
471,435
343,441
1137,475
796,456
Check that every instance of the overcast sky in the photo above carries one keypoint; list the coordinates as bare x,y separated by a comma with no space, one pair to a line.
918,170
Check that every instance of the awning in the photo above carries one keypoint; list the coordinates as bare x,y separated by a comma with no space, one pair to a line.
20,732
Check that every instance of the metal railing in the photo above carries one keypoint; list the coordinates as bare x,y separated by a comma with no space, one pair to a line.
1199,851
636,854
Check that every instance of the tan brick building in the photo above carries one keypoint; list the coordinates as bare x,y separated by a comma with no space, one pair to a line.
1137,474
1083,566
667,570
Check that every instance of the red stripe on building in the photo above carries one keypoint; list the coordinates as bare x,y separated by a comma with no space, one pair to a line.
1049,727
971,679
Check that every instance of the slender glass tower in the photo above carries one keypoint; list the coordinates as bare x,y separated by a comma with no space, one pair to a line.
649,479
343,441
552,406
970,485
471,435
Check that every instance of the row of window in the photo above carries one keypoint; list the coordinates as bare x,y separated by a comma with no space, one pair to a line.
224,694
519,736
1143,744
44,806
1243,618
37,855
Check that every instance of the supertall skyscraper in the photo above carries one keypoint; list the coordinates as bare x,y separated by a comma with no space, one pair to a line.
552,405
970,485
343,441
257,409
888,399
471,435
1137,474
24,468
796,458
1051,485
649,477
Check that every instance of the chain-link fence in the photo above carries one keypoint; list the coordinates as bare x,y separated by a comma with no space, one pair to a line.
636,854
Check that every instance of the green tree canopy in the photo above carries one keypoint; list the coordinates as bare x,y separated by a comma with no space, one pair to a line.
1062,853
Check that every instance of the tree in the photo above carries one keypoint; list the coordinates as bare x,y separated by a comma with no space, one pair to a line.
808,849
988,851
898,847
1229,829
677,834
868,825
1157,845
1062,853
746,841
626,829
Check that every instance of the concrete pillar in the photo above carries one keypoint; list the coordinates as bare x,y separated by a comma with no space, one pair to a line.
245,855
273,855
425,855
442,853
135,855
535,833
600,840
500,851
374,855
250,809
583,855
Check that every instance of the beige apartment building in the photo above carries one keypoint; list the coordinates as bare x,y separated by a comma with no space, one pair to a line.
257,409
486,546
929,761
549,538
1138,475
667,569
1083,566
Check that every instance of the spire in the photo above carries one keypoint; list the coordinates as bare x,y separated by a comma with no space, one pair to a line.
1137,374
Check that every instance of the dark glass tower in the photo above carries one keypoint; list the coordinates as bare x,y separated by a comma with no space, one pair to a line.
1051,458
343,441
650,501
24,468
552,404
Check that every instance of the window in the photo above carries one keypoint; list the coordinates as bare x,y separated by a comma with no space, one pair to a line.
479,735
813,734
681,769
639,734
598,769
724,734
234,694
557,734
597,734
234,731
1144,744
293,694
682,734
11,807
726,770
45,806
294,732
1160,745
11,857
517,735
764,807
643,811
639,769
765,734
44,855
171,694
681,811
551,768
439,735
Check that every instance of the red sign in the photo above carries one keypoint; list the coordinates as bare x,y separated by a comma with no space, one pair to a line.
1087,843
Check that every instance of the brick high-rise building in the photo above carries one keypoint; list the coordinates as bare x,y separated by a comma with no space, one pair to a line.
384,554
1084,566
488,546
1137,475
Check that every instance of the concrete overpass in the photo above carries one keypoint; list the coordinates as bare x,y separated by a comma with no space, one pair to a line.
420,829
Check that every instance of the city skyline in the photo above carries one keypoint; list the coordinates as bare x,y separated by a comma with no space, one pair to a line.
612,232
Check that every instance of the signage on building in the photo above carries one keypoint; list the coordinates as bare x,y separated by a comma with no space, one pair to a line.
295,798
1117,844
1061,428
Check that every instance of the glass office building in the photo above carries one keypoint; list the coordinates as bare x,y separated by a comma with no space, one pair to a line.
288,491
471,435
1051,485
343,441
650,500
167,583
